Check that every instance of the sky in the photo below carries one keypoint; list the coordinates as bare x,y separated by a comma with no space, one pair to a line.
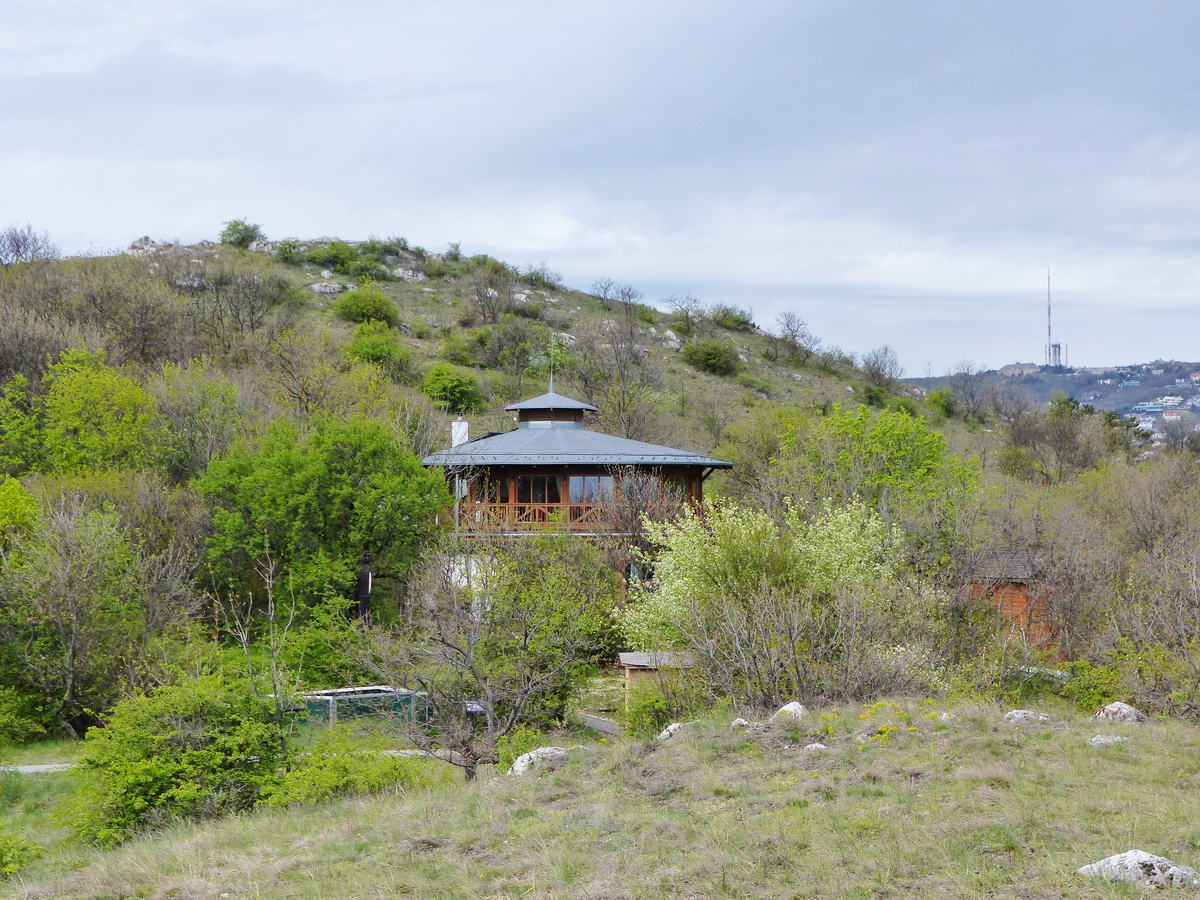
900,173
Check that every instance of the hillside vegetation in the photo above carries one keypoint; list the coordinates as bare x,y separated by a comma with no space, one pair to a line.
960,808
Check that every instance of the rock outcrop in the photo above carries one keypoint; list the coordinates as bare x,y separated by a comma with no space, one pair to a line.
1143,869
1026,715
1120,712
789,712
1102,740
541,758
671,730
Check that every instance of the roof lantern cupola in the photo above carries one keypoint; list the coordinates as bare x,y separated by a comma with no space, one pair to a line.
550,410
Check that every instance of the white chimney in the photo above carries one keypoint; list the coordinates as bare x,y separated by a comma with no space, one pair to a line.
458,432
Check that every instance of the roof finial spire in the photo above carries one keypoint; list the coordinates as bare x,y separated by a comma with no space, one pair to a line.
551,374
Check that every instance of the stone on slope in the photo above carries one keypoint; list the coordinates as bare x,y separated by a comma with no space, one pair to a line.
793,710
541,758
1026,715
1143,869
1120,712
738,724
1101,739
670,731
817,746
327,287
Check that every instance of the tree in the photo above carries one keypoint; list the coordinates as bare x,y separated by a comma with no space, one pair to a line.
200,416
713,356
881,368
774,610
499,632
453,388
365,304
689,312
240,233
313,504
800,342
21,245
490,292
968,384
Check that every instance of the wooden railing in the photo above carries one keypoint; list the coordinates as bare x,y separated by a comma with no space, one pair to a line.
589,517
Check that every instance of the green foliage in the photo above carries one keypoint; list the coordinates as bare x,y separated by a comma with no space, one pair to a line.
15,852
757,385
941,401
517,742
1091,687
203,747
240,233
646,314
341,764
732,318
542,277
199,415
874,395
338,256
454,389
314,503
20,443
368,266
906,405
21,716
288,251
93,417
464,348
366,303
436,268
375,342
716,357
19,512
646,713
323,650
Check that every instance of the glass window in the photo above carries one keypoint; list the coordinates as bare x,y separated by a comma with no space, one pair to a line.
537,489
591,488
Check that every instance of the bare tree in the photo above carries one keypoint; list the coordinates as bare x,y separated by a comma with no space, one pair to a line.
881,367
689,312
18,245
797,338
496,631
490,292
969,385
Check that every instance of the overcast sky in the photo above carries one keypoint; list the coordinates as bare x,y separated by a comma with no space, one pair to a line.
896,172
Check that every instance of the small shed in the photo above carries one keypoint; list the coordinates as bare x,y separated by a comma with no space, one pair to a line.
651,667
1009,579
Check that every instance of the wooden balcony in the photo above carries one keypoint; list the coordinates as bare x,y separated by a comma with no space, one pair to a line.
588,518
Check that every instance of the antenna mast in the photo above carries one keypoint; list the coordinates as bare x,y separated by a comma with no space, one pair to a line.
1049,340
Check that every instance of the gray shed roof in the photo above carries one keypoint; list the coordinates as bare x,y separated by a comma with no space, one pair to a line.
1009,565
660,659
565,444
551,400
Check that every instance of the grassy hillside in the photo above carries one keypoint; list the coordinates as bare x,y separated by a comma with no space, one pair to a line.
967,807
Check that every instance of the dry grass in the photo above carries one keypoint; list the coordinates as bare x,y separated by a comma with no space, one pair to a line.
964,808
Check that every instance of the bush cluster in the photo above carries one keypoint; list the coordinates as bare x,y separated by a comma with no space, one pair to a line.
16,852
375,342
454,389
716,357
367,303
732,318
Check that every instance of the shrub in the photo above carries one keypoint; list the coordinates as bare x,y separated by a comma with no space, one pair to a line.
732,318
240,233
202,747
520,740
465,347
368,266
436,268
341,764
21,716
717,357
874,395
941,401
1091,687
906,405
754,384
542,277
375,342
366,303
288,251
452,388
15,852
647,712
647,314
338,255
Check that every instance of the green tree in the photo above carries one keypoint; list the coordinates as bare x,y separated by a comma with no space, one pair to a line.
20,443
717,357
365,304
93,417
454,389
375,342
309,505
240,233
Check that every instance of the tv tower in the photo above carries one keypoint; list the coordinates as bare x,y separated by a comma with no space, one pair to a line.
1053,350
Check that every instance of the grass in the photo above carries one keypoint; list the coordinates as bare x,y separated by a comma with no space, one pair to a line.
962,808
40,752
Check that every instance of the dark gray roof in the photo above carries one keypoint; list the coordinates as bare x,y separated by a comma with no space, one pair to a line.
660,659
1008,565
564,445
551,401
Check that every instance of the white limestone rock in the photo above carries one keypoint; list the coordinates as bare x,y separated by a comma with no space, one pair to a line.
1143,869
815,747
673,345
670,731
739,724
1120,712
326,273
1026,715
947,717
412,276
788,711
327,287
1102,740
541,758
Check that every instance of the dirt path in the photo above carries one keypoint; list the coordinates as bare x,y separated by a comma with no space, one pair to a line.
40,769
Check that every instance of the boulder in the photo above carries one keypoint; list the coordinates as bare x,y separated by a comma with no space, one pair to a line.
412,276
146,246
1143,869
259,247
541,758
1026,715
739,724
326,273
673,345
327,287
1120,712
789,711
1101,740
815,747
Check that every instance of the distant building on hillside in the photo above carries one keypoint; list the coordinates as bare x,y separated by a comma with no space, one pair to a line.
1010,581
1014,369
